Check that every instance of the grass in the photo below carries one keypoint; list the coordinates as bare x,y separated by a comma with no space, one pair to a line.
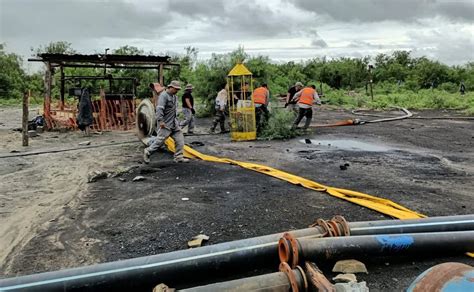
16,102
423,99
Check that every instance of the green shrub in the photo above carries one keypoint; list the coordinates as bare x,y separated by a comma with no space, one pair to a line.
279,125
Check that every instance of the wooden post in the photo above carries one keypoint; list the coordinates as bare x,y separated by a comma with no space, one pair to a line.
61,104
162,80
102,113
47,97
25,119
370,82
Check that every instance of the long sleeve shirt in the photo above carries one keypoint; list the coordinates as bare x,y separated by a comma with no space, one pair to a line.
221,100
166,110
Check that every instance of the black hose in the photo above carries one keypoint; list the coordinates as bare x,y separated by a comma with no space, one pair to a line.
65,149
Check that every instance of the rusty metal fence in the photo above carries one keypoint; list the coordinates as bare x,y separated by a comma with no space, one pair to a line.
115,114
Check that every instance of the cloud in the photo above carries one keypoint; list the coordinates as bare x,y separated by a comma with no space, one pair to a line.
207,9
381,10
281,29
316,40
450,43
75,19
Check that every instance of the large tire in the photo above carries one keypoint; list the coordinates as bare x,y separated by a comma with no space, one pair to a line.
145,121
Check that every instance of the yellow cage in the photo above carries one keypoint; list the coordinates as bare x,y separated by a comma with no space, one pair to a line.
241,107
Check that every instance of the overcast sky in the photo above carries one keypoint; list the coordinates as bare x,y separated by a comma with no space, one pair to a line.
282,29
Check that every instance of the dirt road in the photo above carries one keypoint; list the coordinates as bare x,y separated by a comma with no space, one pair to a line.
47,205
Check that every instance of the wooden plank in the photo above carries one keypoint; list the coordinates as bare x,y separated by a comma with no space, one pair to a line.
25,118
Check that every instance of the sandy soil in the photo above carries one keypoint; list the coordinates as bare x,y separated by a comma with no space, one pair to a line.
46,204
35,190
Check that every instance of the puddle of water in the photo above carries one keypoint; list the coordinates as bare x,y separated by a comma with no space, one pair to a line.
347,144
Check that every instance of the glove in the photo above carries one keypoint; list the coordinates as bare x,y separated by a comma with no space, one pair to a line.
193,111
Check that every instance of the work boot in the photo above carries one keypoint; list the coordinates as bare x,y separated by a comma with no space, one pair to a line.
146,156
212,130
181,160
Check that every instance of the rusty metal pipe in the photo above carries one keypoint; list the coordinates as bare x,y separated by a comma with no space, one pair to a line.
269,282
321,249
200,263
274,282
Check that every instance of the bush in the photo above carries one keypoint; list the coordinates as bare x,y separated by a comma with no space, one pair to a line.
279,125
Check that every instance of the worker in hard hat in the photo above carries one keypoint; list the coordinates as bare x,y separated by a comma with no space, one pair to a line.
261,96
168,124
305,98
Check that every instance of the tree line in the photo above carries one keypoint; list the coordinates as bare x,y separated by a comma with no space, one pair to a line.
399,68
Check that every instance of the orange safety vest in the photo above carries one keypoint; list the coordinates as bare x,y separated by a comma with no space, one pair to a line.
260,95
307,96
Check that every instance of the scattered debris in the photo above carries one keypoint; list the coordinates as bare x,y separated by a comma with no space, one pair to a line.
15,151
343,167
307,141
184,199
197,143
350,266
163,288
97,175
121,171
122,179
345,278
317,278
138,178
147,170
197,240
32,133
351,287
261,146
97,133
85,143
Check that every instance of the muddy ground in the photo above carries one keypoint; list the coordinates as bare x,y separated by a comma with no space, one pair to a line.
52,218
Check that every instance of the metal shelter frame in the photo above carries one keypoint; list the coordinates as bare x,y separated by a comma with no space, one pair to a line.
105,61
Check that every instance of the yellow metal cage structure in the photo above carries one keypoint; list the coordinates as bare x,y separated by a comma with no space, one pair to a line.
241,106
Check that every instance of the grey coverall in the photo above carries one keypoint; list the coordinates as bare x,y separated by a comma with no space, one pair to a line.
166,112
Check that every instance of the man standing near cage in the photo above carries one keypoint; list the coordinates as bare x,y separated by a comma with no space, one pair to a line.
188,109
168,124
261,96
220,106
305,99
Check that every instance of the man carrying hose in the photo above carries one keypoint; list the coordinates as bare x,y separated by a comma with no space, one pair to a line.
168,124
305,99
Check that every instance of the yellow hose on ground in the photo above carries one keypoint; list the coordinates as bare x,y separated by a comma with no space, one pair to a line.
383,206
380,205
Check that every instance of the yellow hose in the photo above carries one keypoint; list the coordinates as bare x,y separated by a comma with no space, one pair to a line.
381,205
